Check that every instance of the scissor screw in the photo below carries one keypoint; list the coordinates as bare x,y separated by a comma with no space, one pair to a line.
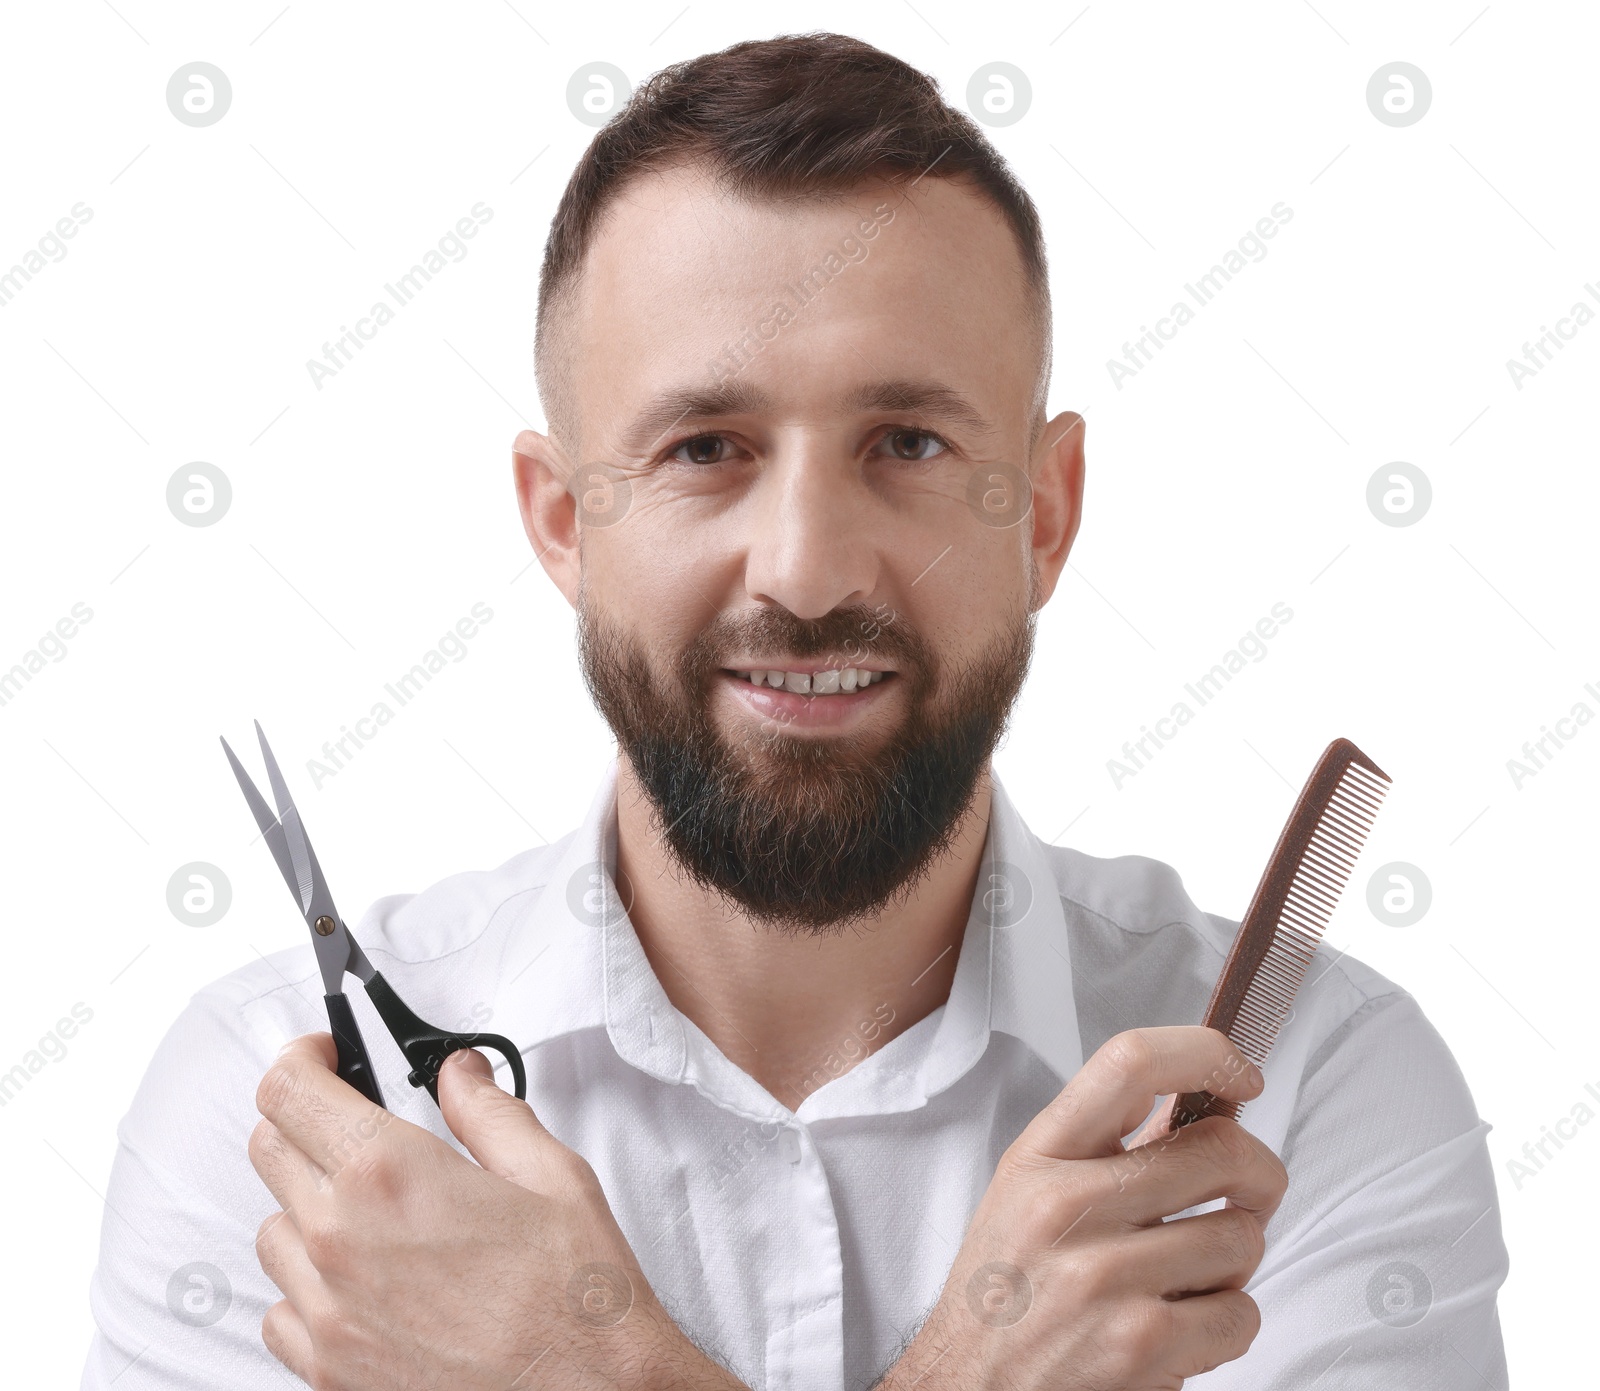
324,925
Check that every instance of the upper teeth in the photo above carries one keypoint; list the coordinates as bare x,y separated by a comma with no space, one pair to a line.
829,682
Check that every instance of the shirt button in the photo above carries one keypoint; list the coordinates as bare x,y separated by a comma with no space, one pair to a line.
789,1144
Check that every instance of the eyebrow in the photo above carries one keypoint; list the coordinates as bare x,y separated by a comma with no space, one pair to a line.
931,400
665,410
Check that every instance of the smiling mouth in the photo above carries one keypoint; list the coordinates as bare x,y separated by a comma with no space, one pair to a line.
827,682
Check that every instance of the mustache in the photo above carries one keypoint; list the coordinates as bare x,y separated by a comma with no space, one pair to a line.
853,632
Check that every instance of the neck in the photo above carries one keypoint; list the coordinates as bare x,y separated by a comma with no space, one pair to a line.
796,1011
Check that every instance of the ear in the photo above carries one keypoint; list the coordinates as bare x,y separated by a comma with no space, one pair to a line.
1057,476
549,513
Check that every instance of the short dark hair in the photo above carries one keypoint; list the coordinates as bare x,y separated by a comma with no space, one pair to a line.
799,115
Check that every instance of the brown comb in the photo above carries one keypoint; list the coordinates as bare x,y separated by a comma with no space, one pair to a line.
1292,904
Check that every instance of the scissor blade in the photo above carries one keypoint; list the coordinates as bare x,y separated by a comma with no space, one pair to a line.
294,831
358,964
339,942
337,951
258,805
271,831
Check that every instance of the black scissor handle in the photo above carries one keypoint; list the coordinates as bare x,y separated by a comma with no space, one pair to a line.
426,1072
426,1047
355,1067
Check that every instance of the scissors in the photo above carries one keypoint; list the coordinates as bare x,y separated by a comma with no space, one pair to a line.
338,953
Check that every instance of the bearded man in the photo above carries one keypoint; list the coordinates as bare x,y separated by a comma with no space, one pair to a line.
838,1075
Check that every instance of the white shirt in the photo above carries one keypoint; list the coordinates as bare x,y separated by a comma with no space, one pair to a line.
802,1248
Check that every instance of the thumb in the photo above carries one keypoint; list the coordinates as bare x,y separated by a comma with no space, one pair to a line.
499,1131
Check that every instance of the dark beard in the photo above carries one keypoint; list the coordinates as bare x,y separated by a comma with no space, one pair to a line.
805,834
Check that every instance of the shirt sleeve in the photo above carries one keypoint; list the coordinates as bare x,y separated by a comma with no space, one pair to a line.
178,1294
1383,1263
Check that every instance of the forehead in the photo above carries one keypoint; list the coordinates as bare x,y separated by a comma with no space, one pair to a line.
812,296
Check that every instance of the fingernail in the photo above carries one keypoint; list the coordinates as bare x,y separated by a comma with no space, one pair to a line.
1256,1076
472,1061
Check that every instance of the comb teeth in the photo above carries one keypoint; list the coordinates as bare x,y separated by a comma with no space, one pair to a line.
1283,927
1314,890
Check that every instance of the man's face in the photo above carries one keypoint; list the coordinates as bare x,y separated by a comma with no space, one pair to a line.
802,430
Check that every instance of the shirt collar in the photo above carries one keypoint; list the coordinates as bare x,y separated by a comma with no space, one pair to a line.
1014,975
571,960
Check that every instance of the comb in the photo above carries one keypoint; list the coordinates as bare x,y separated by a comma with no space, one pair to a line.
1293,902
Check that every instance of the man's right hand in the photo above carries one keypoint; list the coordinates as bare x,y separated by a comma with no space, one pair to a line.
1068,1278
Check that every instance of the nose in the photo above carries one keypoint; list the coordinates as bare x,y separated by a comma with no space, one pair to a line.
811,541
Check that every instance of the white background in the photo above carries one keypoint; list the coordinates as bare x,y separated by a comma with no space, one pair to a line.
369,516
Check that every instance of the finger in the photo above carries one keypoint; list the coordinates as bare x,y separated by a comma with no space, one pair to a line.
324,1117
1202,1254
290,1176
1208,1330
1213,1158
1116,1088
499,1131
281,1251
1159,1125
289,1340
315,1047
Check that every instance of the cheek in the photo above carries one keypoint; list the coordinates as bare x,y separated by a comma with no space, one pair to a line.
981,583
655,578
673,564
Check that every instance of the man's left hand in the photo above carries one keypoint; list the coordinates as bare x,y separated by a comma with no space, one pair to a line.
403,1264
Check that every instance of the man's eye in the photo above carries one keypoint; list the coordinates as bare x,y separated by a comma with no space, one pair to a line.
702,449
911,445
